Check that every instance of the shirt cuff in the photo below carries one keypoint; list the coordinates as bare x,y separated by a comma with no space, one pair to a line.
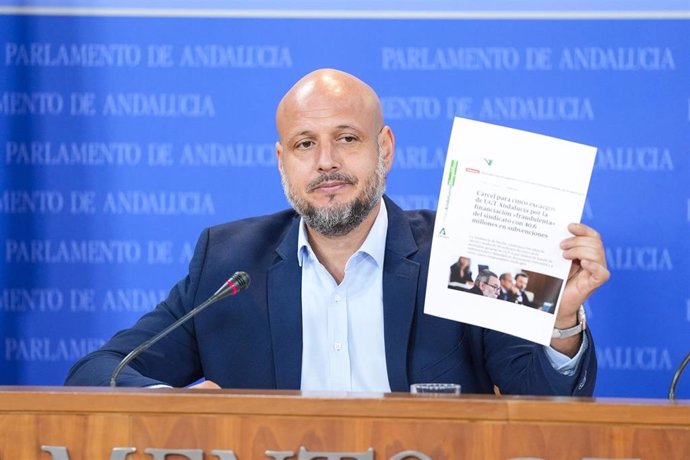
160,385
564,364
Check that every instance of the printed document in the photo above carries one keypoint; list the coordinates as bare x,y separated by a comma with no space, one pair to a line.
506,200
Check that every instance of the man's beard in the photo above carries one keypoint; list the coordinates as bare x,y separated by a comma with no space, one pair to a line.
337,220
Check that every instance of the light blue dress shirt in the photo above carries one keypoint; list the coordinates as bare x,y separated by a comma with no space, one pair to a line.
343,345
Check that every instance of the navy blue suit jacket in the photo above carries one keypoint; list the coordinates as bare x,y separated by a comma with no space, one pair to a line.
254,340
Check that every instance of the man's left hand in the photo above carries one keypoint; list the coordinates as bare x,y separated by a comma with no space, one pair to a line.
587,272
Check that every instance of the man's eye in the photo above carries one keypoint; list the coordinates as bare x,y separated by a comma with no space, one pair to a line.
348,139
305,144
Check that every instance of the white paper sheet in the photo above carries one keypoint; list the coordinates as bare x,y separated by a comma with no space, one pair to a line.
506,199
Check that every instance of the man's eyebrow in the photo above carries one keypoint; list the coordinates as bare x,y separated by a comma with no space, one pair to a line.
306,132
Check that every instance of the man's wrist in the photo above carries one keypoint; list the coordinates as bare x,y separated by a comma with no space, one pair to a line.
572,326
566,322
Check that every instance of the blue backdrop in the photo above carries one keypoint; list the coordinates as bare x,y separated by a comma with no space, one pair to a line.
121,138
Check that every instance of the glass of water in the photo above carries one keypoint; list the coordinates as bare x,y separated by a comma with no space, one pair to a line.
435,388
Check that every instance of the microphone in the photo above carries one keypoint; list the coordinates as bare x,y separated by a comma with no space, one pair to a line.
236,284
676,378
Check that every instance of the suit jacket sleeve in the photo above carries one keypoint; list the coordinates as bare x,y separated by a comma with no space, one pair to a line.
172,361
518,366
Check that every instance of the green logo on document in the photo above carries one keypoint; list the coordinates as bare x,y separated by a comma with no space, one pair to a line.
442,232
452,171
488,161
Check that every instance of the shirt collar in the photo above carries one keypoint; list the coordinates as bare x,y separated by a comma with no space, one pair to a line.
374,245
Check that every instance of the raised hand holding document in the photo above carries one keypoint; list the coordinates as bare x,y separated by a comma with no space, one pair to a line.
506,200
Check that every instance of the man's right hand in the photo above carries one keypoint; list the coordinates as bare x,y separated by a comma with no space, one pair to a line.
206,385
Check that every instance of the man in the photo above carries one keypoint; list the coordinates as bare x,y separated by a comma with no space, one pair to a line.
338,283
460,271
486,284
521,280
507,287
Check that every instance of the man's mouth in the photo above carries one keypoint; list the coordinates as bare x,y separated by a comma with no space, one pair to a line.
330,183
330,186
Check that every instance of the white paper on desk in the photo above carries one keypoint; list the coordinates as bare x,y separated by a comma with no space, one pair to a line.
506,200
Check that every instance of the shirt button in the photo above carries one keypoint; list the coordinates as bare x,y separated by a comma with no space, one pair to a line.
337,298
338,346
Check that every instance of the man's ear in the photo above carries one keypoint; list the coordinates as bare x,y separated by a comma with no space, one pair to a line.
279,155
386,141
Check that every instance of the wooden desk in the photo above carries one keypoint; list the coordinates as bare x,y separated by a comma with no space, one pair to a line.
92,421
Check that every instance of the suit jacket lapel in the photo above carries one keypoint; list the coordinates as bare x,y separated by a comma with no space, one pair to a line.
400,278
284,297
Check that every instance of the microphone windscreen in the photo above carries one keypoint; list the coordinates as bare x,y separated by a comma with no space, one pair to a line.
241,280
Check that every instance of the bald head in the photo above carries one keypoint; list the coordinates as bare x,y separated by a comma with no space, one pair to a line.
334,153
325,93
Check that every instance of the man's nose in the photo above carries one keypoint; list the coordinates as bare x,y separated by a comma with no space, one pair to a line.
328,158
